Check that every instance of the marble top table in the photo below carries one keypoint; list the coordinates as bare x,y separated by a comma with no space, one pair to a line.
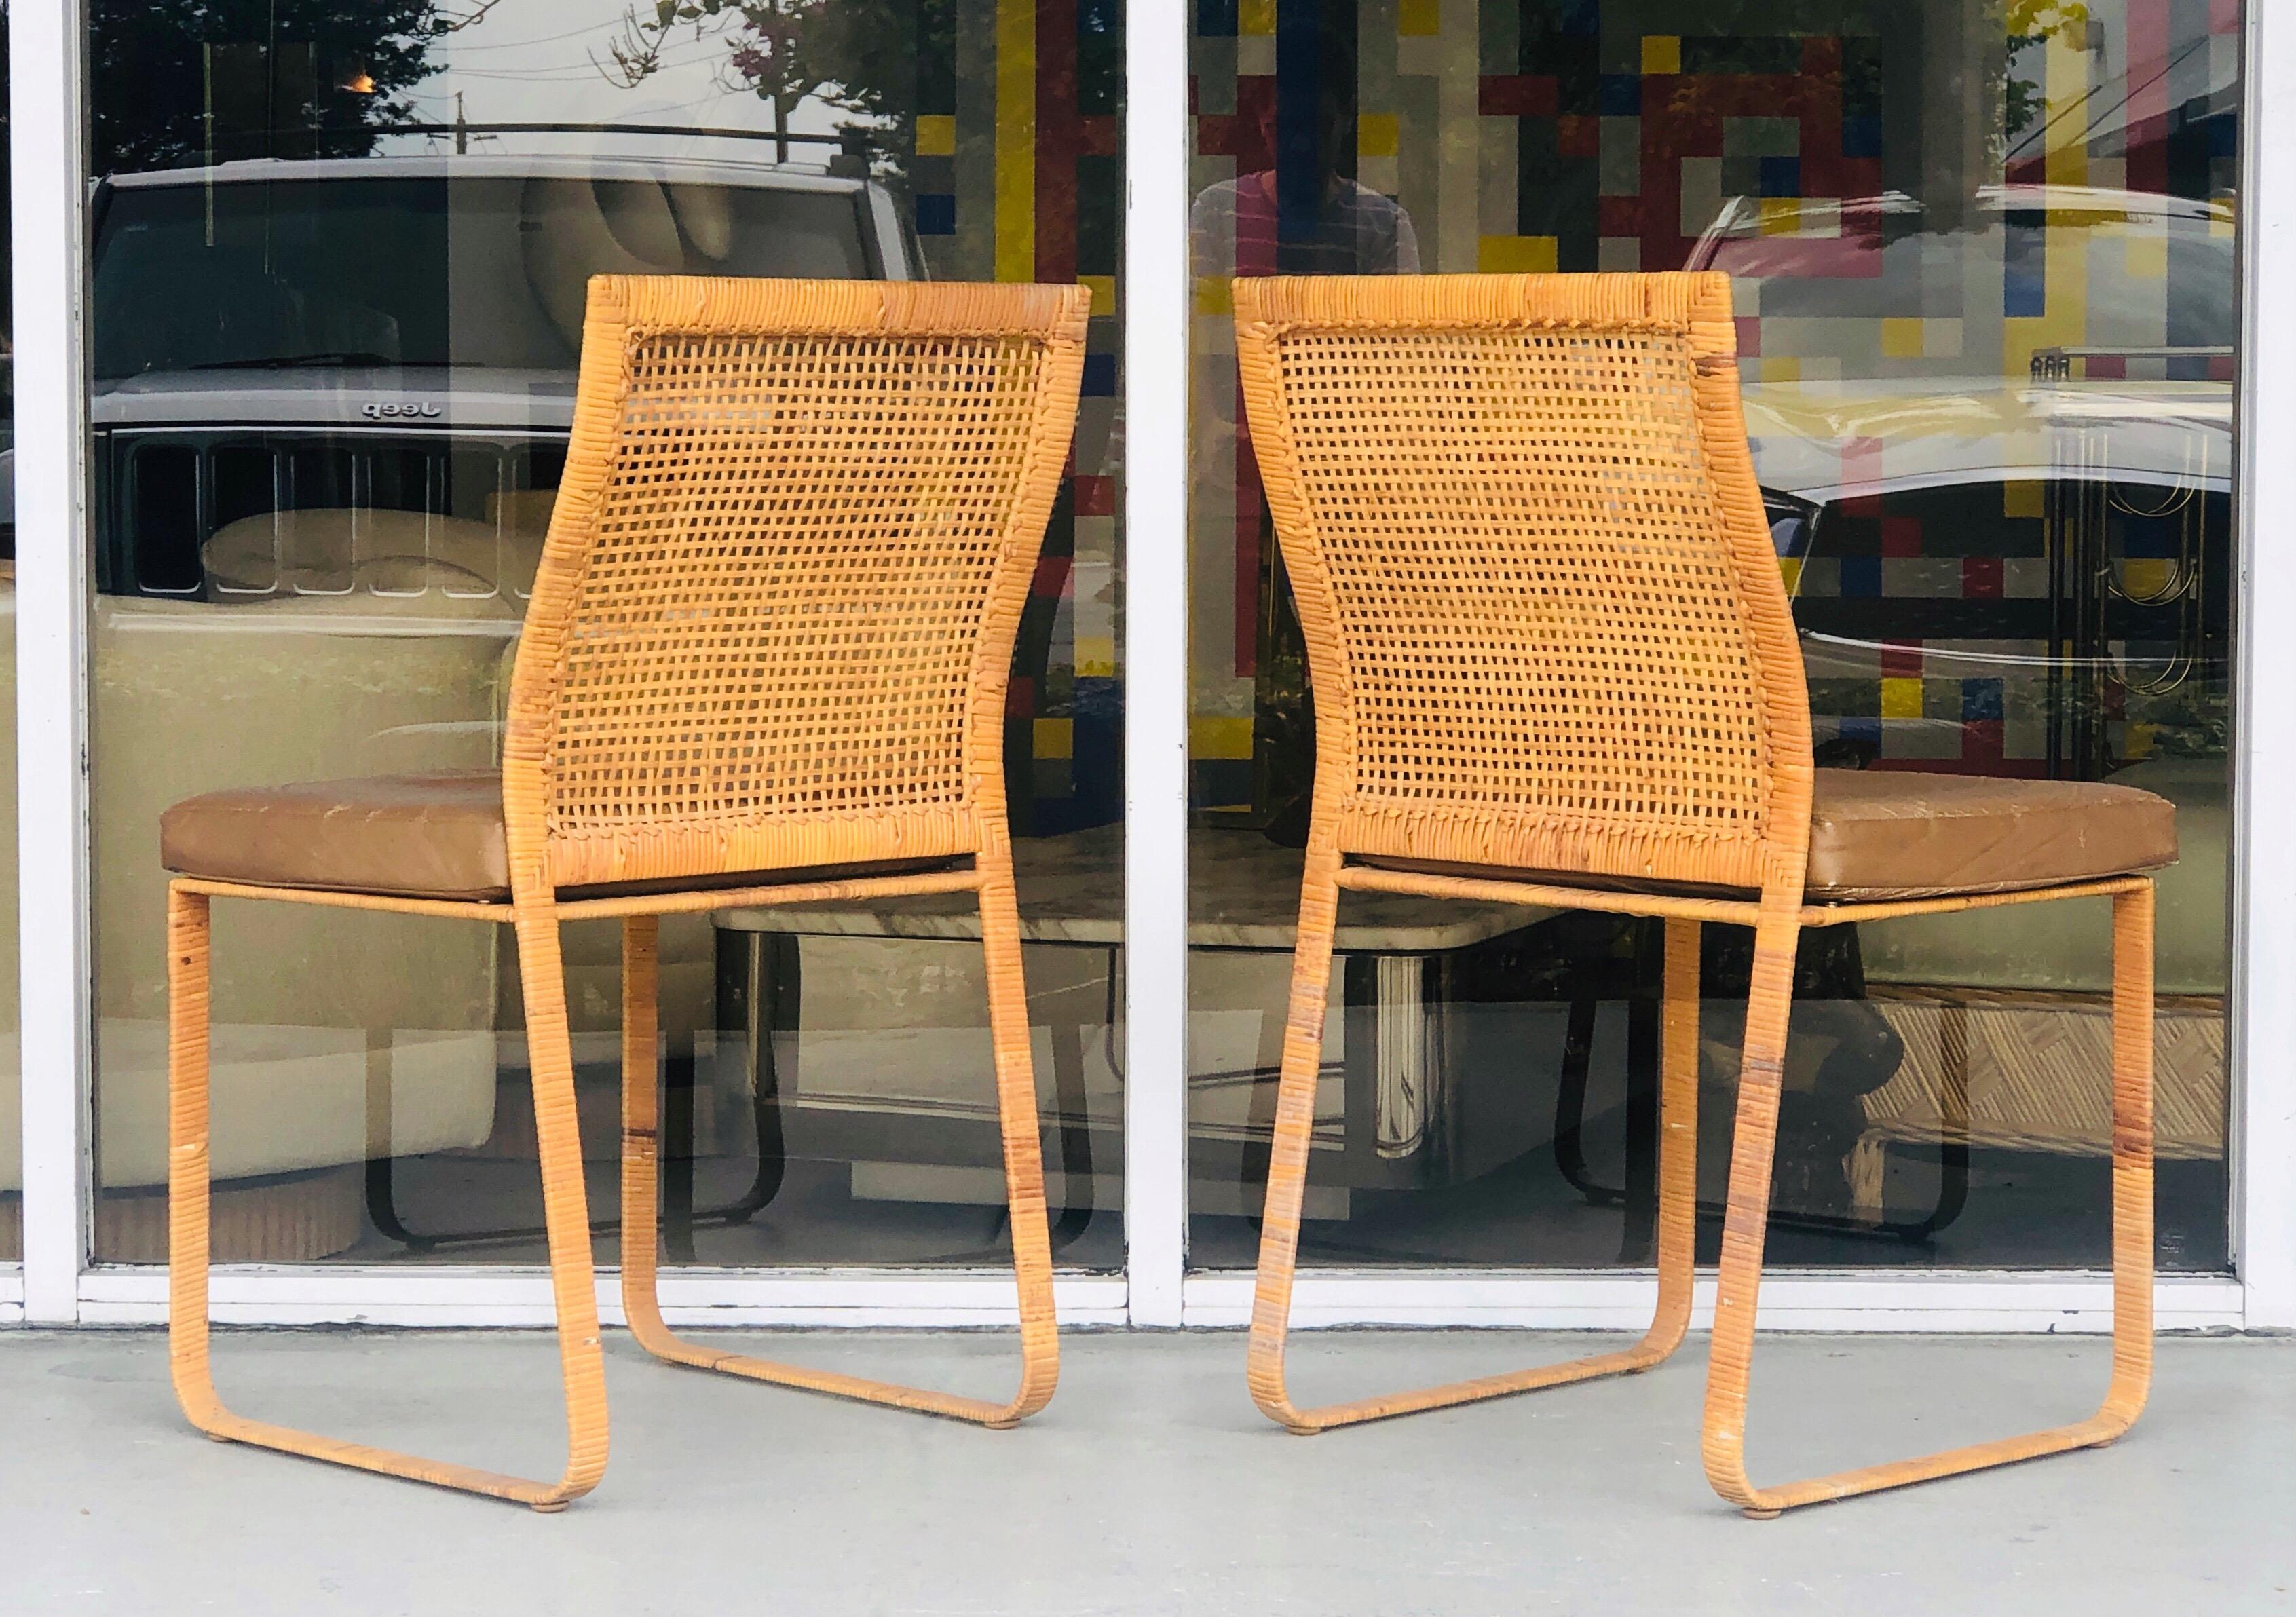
1243,892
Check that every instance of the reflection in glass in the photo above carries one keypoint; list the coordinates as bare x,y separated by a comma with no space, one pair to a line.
11,1127
1983,262
338,261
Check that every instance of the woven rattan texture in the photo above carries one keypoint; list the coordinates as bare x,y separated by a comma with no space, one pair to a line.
1544,634
805,540
789,577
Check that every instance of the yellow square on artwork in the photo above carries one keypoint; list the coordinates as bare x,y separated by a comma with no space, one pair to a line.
1255,16
2146,252
936,134
1095,656
1900,699
1901,338
1055,738
1418,18
1219,736
1104,292
1214,296
1376,134
1779,216
2024,499
1515,255
1661,52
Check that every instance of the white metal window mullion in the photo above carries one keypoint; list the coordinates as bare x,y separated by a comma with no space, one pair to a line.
2263,1115
49,204
1156,304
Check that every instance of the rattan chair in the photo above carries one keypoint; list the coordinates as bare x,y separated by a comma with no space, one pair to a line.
1553,664
763,663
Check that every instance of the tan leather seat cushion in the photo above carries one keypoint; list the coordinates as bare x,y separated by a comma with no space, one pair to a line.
1890,833
408,836
432,836
1885,834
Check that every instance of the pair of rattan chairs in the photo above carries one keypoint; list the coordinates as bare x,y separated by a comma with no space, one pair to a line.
765,663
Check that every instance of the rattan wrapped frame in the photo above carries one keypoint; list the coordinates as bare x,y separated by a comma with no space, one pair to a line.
686,858
1751,875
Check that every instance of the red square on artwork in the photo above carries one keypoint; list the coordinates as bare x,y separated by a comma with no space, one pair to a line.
1095,496
1618,215
1901,535
1901,659
1518,95
1578,137
1981,578
1981,745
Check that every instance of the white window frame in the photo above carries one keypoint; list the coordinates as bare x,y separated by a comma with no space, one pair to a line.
56,1285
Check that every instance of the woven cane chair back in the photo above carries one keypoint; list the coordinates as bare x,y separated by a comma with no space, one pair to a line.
1544,619
774,616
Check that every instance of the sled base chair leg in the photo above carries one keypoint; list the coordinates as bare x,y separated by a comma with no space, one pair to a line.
1728,1371
189,1255
1287,1175
1024,1178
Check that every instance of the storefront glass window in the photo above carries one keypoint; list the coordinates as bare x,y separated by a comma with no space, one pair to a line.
11,1132
339,260
1983,254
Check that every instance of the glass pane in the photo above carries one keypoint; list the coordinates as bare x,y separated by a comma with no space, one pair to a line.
339,259
11,1130
1983,272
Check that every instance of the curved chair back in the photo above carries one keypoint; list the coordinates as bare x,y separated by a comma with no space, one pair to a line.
774,616
1544,618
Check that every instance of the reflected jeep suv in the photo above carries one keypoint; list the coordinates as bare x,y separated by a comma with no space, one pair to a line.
330,409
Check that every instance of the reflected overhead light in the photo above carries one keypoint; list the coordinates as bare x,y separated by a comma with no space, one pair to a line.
360,84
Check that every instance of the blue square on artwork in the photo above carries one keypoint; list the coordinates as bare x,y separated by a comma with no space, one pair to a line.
1099,376
1782,176
1980,700
1868,731
936,215
1861,137
2224,136
1580,17
1216,18
1620,95
1861,578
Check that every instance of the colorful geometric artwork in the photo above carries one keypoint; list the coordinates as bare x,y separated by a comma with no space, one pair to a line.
1907,198
1017,177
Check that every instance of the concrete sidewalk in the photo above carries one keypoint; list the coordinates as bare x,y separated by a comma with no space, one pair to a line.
1150,1486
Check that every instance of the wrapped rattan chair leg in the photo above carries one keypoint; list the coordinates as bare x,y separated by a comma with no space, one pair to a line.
1287,1178
1723,1438
1024,1174
564,1201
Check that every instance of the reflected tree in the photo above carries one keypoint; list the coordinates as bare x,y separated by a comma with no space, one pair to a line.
212,81
858,56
